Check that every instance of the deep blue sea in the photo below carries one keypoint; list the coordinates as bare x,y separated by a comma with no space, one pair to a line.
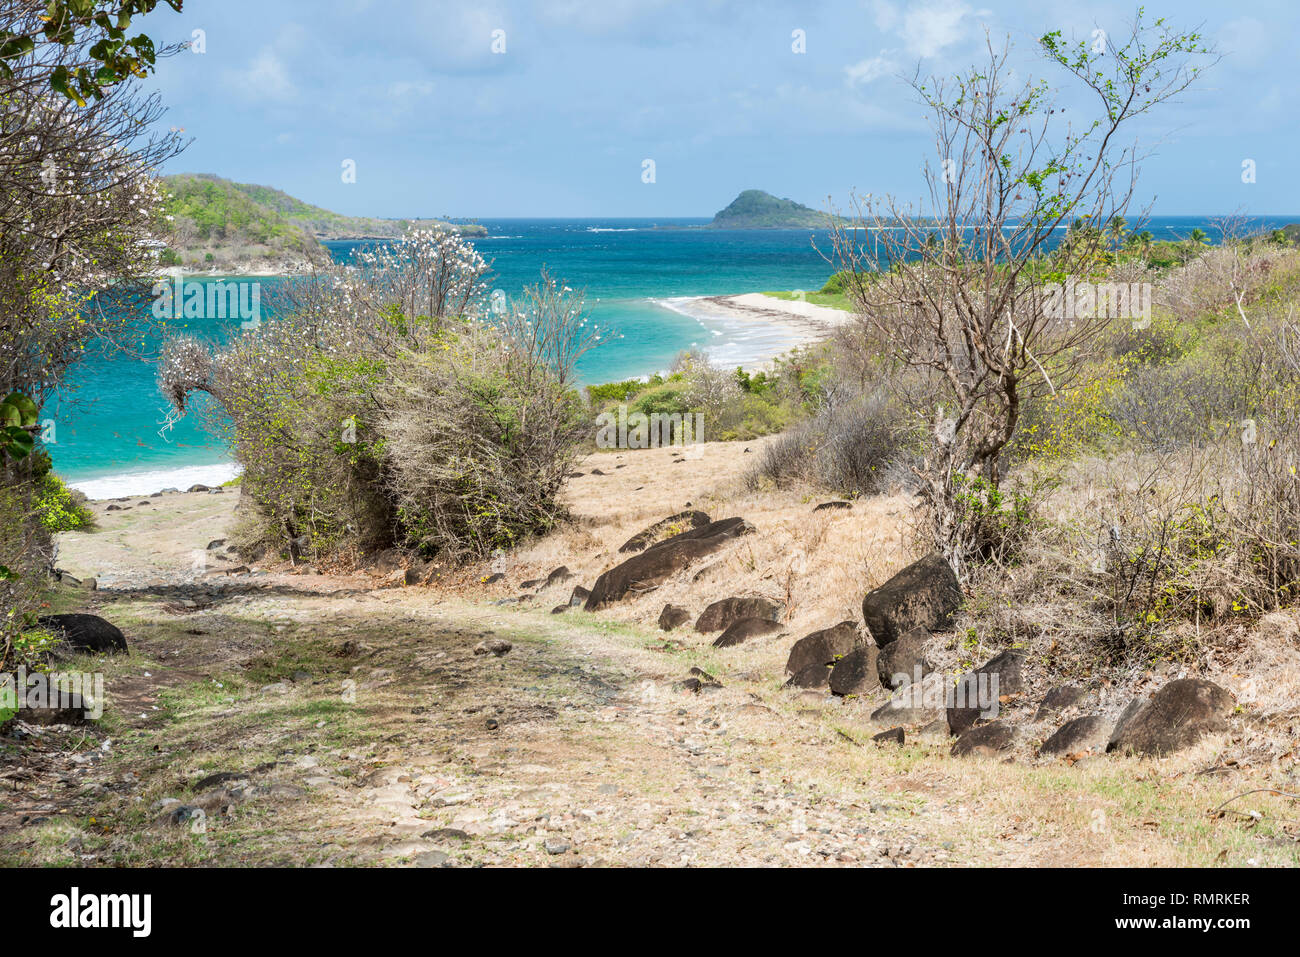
638,275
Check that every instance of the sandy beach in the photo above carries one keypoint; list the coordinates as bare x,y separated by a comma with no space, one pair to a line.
752,329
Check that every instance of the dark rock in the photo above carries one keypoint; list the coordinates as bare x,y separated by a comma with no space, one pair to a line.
113,508
561,574
892,736
446,834
578,596
491,724
820,650
1080,734
642,539
67,708
85,633
216,543
856,673
744,629
721,614
906,656
925,594
1174,718
647,571
217,778
493,646
986,740
493,579
825,506
532,583
698,680
198,488
560,609
1001,675
913,704
673,616
597,472
1059,699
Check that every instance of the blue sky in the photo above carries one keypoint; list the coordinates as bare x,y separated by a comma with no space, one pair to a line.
559,124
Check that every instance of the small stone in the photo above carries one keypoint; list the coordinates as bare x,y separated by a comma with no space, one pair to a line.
493,646
557,846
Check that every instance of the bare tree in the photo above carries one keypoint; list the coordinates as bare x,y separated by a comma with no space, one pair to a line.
957,290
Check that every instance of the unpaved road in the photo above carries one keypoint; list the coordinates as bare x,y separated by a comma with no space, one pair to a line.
279,718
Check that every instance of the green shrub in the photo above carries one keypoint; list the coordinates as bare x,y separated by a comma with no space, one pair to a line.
59,508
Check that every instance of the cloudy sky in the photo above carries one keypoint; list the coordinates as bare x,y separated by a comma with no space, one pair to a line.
559,118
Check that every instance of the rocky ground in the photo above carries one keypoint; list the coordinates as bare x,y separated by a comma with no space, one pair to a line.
281,716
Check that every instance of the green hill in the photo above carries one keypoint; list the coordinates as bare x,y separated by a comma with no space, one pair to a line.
755,209
218,224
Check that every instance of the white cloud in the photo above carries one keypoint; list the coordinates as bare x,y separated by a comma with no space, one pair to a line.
928,28
869,70
265,79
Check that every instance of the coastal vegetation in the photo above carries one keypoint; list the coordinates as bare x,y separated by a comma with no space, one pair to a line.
78,203
394,406
217,224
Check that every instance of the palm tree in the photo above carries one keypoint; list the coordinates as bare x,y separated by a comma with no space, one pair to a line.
1198,237
1116,230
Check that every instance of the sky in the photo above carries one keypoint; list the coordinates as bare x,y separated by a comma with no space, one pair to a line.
551,108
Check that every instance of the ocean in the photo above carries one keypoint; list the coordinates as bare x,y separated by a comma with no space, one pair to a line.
641,278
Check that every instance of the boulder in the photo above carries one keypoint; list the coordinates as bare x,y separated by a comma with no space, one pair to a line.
578,596
561,574
1060,698
856,673
69,709
985,741
925,594
977,692
648,570
915,703
744,629
892,736
642,539
1079,734
673,616
494,578
826,506
906,656
84,633
821,649
721,614
1174,718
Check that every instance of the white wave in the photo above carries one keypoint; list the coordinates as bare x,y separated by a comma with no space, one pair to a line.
739,340
611,229
146,483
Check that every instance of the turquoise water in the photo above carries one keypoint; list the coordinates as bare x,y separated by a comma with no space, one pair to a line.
635,272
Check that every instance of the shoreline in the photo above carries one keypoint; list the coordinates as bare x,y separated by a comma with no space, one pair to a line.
759,328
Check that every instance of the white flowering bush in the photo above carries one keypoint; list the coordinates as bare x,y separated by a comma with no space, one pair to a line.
391,408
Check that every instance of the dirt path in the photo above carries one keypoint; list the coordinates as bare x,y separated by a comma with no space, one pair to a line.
304,719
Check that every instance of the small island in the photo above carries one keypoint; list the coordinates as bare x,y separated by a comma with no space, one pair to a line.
755,209
217,225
